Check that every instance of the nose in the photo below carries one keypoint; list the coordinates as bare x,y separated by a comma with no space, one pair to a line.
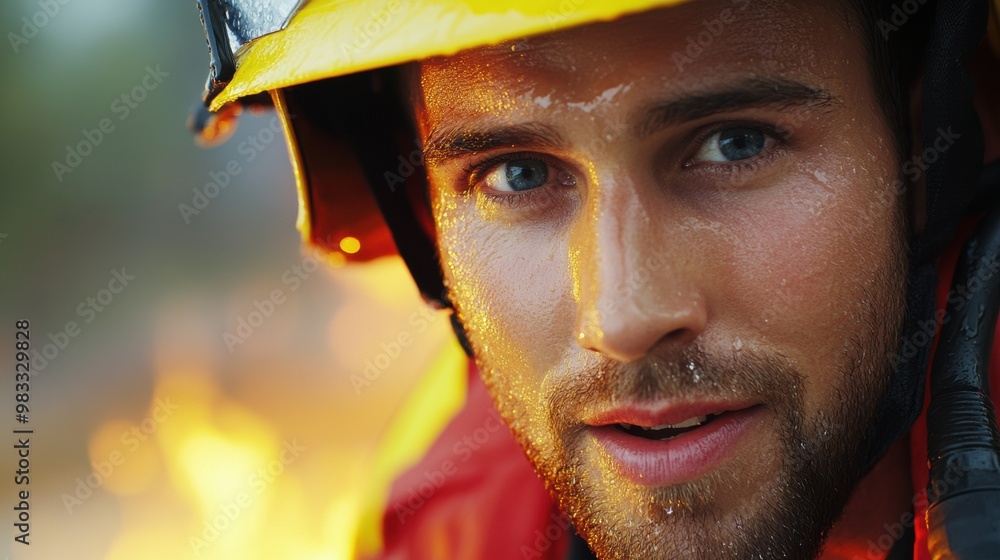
633,281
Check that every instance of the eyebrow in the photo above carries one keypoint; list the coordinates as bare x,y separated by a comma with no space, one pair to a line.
750,94
457,141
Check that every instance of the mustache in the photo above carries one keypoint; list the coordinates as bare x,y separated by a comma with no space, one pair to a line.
690,373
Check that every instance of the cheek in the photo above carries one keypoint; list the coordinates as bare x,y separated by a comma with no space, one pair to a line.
512,287
809,262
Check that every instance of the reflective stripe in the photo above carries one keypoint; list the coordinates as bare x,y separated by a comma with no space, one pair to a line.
437,397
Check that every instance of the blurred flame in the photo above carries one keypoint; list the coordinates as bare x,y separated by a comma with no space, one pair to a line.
133,470
217,455
384,280
336,259
216,479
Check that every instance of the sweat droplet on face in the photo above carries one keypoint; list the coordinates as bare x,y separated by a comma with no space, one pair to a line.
695,371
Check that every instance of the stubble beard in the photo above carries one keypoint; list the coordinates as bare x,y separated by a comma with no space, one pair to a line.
818,464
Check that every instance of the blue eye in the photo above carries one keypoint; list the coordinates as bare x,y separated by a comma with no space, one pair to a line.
733,144
518,175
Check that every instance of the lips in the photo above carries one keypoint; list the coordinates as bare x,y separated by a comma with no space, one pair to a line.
666,445
667,431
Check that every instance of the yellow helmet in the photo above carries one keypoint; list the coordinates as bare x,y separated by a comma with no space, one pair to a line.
263,53
284,52
330,38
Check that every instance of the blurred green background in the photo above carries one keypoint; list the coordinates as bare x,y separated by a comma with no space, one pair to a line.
99,399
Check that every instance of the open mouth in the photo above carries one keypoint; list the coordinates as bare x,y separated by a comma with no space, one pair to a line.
667,431
676,444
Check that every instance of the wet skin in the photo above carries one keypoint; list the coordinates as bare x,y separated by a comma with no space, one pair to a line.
624,228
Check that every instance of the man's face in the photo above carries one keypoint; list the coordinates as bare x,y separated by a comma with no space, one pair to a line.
673,243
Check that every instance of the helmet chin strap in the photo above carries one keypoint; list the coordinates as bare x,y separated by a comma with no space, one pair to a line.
952,184
375,109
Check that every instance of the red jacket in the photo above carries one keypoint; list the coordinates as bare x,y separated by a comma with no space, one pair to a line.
474,494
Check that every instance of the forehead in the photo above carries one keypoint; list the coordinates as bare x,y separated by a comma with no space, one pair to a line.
602,66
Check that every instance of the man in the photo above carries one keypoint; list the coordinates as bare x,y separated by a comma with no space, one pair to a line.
678,244
670,291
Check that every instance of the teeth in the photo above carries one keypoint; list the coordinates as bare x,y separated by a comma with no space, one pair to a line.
690,422
685,424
